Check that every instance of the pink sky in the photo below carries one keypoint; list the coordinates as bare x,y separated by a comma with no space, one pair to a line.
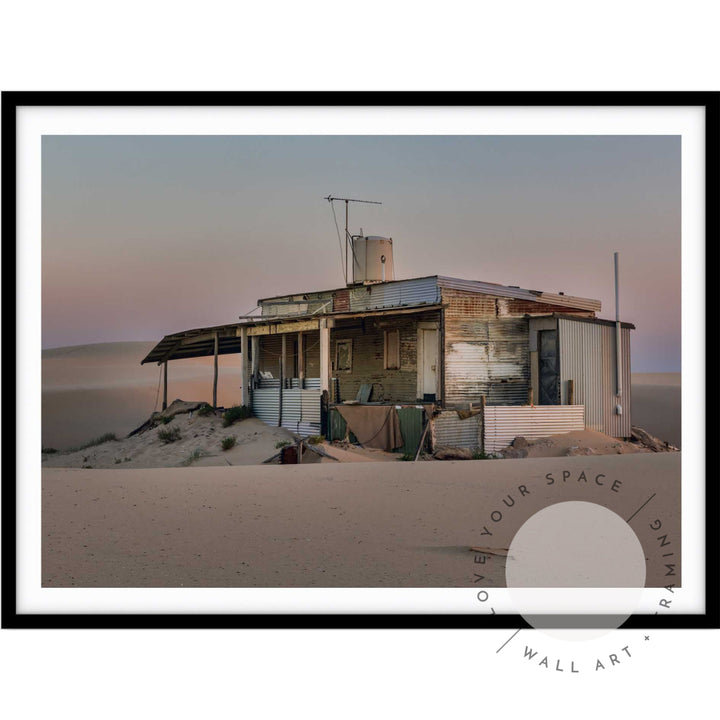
145,236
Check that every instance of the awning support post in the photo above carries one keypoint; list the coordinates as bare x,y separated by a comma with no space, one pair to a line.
301,361
255,356
244,367
165,369
215,372
325,356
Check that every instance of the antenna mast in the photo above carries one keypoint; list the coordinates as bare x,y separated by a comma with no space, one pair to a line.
348,238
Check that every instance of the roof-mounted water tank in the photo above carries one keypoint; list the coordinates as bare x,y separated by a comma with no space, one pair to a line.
372,259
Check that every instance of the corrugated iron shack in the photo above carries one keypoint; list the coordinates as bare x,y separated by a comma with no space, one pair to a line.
445,346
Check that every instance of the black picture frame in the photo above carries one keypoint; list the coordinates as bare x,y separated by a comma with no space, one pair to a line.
12,102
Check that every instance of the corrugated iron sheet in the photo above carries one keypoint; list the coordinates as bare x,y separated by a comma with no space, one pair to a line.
476,286
301,411
394,294
486,357
341,300
587,356
289,305
307,383
266,405
514,307
451,431
503,423
300,408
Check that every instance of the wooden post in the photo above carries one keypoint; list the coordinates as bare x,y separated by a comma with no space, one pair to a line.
301,361
483,401
244,367
255,356
530,395
215,371
283,358
325,357
283,354
165,369
571,392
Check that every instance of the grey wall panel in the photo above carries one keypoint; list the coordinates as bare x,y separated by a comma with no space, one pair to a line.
587,356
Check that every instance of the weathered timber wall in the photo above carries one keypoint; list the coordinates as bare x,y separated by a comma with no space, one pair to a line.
368,357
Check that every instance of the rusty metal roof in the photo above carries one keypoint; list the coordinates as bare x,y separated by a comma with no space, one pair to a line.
200,342
477,286
518,293
196,343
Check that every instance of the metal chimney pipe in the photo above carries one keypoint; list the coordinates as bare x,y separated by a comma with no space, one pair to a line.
618,335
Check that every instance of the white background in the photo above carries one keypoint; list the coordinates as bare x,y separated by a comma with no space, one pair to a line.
332,46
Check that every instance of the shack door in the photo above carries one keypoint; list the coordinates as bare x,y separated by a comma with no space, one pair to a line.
548,368
429,364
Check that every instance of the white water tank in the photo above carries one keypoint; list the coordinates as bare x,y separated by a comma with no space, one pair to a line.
372,259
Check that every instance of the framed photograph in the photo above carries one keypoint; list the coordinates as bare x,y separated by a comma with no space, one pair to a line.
349,360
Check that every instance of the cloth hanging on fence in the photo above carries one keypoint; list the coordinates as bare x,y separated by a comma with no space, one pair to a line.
375,426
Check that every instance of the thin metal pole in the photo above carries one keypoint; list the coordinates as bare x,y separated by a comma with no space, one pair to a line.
618,334
346,239
331,199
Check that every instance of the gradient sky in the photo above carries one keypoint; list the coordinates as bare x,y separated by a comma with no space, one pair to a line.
147,235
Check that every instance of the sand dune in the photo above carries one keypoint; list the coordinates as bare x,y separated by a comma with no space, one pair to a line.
199,443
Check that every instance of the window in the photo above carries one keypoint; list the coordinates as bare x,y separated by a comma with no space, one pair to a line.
343,356
392,349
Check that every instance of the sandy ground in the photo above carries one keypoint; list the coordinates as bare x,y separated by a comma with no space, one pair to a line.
656,405
330,525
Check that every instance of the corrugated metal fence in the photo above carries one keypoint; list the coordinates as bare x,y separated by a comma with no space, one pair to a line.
503,423
300,407
452,431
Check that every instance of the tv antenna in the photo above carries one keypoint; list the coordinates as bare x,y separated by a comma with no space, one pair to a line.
348,237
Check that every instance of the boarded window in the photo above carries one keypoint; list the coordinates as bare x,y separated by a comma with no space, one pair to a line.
392,349
343,356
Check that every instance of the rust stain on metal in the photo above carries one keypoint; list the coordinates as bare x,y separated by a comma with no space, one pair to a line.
341,300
